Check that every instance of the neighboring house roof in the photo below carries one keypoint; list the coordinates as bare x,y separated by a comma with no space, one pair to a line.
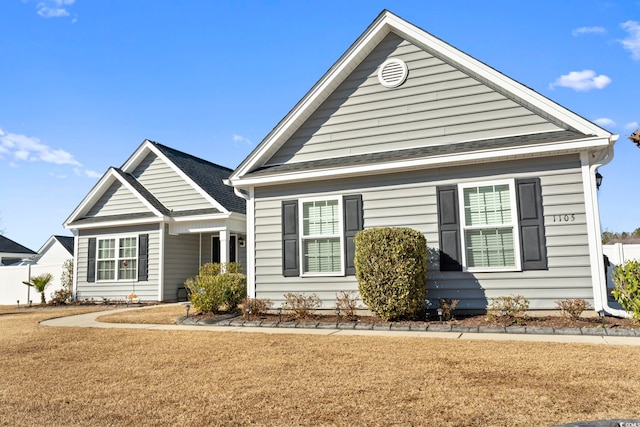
266,164
66,242
203,179
12,249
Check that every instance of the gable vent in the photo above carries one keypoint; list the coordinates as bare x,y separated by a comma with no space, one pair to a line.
393,72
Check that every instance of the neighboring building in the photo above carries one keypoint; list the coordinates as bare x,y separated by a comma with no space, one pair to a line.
49,259
146,227
406,130
13,253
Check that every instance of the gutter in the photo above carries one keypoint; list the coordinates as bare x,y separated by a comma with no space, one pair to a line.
599,280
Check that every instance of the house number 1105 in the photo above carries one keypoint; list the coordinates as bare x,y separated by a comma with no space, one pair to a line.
564,218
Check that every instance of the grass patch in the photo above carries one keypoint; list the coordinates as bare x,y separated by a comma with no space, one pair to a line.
90,376
157,315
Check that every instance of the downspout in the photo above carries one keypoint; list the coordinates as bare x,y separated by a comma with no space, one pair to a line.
250,239
598,277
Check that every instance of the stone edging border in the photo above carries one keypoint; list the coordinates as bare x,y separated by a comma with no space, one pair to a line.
236,321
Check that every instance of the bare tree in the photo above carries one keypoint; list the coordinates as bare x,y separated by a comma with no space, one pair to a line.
635,137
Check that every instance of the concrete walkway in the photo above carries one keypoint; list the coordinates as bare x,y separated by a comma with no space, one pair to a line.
88,320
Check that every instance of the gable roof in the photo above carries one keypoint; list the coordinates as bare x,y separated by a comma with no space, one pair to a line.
10,248
386,23
66,242
207,175
204,177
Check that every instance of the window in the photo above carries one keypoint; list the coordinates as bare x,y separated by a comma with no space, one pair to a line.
321,236
125,258
492,226
489,226
318,233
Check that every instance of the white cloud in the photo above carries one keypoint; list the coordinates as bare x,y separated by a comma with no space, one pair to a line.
92,174
582,81
605,122
238,138
54,8
58,175
632,42
588,30
632,126
24,148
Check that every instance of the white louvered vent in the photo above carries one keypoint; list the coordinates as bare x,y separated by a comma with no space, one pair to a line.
393,72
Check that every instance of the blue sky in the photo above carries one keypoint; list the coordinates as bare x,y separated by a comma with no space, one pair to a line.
84,82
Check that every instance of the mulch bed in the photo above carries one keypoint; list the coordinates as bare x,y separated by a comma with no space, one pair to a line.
470,320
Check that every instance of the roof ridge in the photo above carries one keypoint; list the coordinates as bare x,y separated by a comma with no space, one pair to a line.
162,146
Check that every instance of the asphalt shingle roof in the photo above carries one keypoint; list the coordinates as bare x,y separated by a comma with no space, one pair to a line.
66,242
209,176
143,191
420,152
9,246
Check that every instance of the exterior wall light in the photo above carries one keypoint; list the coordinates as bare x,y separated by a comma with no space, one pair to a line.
598,180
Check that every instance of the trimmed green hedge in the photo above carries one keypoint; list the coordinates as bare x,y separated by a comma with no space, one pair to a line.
391,268
210,291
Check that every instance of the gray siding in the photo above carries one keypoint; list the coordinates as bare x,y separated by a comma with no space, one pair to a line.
167,186
180,262
437,105
118,290
115,201
409,199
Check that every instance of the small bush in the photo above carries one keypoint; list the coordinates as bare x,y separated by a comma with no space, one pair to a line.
448,305
211,292
258,306
301,306
61,296
513,305
572,308
627,291
391,268
347,302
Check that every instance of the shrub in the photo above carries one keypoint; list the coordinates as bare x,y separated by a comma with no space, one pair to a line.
573,308
448,305
513,305
301,306
65,293
627,291
211,291
258,306
391,268
347,302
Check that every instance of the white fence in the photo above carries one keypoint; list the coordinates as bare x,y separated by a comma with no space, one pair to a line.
12,289
619,253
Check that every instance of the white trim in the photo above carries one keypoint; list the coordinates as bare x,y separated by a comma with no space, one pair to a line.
534,150
76,257
383,25
339,235
117,223
161,255
514,225
251,243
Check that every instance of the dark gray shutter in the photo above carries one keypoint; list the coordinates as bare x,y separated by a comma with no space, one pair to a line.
91,260
290,263
449,228
353,222
215,249
232,248
530,216
143,257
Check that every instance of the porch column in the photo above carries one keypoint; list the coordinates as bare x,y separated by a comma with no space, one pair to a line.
224,246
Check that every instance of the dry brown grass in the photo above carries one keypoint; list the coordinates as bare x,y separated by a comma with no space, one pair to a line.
157,315
86,376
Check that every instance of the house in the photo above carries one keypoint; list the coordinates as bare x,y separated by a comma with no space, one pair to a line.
147,226
50,258
406,130
12,252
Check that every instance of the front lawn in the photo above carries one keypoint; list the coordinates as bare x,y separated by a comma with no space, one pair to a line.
88,376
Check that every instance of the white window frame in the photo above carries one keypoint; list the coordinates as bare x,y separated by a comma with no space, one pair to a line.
117,257
302,237
514,225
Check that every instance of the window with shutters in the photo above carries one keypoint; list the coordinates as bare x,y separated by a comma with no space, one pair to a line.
489,225
321,236
117,258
